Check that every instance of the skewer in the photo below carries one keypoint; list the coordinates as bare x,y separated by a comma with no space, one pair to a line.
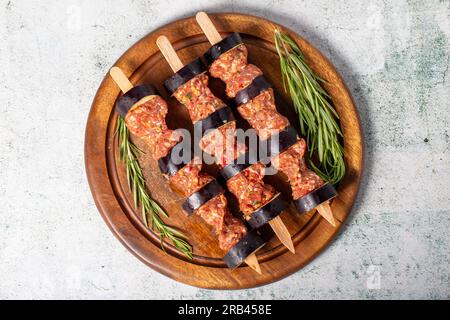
282,233
125,85
175,63
324,210
208,28
120,79
253,263
214,37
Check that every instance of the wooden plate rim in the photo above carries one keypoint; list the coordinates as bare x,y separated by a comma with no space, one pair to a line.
130,236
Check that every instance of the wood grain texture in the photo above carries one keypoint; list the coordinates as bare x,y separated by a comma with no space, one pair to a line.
143,63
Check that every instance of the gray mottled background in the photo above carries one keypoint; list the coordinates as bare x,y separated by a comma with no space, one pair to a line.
395,61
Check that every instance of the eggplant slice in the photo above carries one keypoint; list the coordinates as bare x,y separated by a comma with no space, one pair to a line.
202,196
258,85
226,44
249,244
279,142
315,197
215,120
167,166
131,97
185,74
232,169
267,212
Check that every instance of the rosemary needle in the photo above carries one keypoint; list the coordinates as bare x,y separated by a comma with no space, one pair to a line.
150,209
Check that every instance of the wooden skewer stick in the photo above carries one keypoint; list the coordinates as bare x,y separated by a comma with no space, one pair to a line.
282,233
253,263
120,79
169,53
174,61
213,37
208,27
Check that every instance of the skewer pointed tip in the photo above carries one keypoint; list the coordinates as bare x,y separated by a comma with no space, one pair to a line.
282,233
324,210
291,247
253,263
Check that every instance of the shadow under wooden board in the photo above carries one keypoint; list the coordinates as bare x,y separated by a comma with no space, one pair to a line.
143,63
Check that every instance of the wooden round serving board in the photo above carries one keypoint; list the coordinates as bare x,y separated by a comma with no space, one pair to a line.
143,63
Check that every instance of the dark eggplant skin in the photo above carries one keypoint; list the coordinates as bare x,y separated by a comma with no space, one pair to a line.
315,197
215,120
132,96
249,244
189,71
167,166
199,198
258,85
279,142
267,212
232,169
226,44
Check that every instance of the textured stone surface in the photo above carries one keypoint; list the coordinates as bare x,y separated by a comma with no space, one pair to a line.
395,60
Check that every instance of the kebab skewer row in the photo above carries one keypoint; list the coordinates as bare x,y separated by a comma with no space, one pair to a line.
259,202
144,112
255,100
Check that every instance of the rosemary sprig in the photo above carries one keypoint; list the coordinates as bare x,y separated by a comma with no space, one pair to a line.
150,209
317,117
